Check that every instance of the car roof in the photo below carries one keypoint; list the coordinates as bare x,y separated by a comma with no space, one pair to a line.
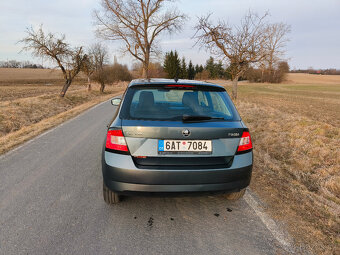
160,81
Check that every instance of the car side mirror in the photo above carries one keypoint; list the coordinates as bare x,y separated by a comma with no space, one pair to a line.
116,101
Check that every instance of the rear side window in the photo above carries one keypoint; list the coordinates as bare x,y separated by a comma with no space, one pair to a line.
171,104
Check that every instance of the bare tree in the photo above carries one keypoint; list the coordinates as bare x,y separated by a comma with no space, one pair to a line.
100,57
97,57
137,23
111,74
54,48
242,45
102,76
89,68
276,43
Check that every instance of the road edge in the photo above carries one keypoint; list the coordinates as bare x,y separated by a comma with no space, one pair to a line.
278,233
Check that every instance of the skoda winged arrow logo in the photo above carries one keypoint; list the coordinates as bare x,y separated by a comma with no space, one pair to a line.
186,132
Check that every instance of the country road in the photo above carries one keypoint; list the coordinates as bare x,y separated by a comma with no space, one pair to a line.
51,203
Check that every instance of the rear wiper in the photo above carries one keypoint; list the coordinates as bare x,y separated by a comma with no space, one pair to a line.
188,118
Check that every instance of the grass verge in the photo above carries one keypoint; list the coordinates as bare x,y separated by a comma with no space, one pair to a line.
29,117
296,138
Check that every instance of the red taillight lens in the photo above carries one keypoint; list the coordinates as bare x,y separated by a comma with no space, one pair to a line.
115,140
245,142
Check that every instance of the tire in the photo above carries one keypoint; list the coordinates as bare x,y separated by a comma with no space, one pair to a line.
110,197
233,196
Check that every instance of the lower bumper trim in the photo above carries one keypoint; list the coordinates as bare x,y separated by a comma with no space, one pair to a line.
122,187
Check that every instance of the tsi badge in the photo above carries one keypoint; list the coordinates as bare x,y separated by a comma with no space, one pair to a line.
185,132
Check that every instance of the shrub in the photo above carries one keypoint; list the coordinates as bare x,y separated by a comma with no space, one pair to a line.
276,75
111,74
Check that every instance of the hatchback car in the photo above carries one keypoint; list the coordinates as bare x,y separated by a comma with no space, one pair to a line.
175,137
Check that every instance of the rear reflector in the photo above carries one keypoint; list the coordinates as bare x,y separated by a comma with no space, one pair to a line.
245,142
115,140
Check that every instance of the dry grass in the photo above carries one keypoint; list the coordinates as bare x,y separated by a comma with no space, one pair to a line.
26,133
28,109
19,83
31,76
296,135
17,91
303,78
15,114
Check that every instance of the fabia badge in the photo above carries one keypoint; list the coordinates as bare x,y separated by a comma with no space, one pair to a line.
186,132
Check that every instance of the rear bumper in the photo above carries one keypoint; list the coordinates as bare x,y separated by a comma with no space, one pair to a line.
121,175
123,187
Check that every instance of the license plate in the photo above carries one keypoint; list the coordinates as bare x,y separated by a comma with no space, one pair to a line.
184,146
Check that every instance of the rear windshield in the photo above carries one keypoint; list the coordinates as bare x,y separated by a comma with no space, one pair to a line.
172,103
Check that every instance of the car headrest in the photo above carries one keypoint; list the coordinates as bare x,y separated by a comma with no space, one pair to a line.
190,99
146,98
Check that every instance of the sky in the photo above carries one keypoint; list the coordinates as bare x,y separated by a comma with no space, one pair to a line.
314,39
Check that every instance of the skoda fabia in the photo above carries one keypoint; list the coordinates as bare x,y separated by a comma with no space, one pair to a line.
175,137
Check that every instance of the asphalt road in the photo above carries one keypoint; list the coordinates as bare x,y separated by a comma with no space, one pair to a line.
51,203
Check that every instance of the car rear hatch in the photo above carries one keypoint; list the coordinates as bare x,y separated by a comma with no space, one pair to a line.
156,117
143,138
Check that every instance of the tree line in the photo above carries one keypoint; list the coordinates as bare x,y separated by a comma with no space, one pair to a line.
138,25
176,68
311,70
19,64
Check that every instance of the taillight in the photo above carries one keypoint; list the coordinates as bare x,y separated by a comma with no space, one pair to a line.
179,86
115,140
245,142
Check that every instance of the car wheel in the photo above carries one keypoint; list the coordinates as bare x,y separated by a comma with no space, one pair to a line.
235,195
110,197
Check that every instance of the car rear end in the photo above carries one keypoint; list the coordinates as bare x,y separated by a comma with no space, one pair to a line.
177,137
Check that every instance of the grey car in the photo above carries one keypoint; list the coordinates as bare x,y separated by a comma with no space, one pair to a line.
175,137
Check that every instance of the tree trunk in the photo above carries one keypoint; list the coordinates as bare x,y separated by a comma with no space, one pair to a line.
65,88
89,88
234,91
102,87
145,73
146,64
